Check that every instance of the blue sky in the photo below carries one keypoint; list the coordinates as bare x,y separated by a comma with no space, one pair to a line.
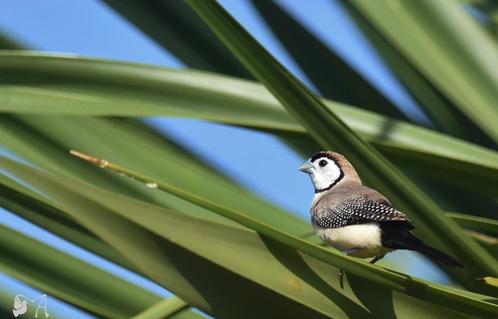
88,28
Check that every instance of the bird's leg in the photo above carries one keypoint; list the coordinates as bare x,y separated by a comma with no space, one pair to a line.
341,278
341,271
376,259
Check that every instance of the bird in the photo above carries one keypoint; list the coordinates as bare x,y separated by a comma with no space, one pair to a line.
358,220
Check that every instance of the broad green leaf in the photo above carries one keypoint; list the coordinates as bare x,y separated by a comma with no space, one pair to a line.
70,279
330,132
441,40
22,202
331,75
175,27
40,211
302,285
158,91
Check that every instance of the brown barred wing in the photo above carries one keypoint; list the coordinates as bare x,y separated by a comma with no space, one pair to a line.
357,211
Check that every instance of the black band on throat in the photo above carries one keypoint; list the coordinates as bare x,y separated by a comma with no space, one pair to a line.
341,175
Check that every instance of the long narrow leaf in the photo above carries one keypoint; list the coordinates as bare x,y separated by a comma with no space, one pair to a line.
441,40
476,223
164,309
70,279
332,76
64,86
130,144
174,26
21,202
442,114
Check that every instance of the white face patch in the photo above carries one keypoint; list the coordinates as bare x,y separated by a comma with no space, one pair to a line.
325,173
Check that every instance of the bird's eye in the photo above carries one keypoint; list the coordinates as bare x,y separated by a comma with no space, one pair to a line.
322,163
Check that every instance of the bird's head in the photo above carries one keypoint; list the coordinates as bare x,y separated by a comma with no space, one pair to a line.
328,169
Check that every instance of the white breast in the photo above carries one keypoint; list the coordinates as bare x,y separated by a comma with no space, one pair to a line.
364,236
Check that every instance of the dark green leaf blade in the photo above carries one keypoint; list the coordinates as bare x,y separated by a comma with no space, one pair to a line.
331,75
440,39
444,116
70,279
174,26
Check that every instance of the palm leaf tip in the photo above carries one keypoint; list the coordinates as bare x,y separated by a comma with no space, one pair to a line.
94,160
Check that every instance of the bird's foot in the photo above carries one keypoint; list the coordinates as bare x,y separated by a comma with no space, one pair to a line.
341,278
348,252
376,259
341,271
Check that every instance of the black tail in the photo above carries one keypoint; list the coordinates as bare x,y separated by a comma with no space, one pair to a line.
396,237
433,253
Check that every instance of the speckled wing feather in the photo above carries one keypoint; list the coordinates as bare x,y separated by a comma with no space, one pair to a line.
357,210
